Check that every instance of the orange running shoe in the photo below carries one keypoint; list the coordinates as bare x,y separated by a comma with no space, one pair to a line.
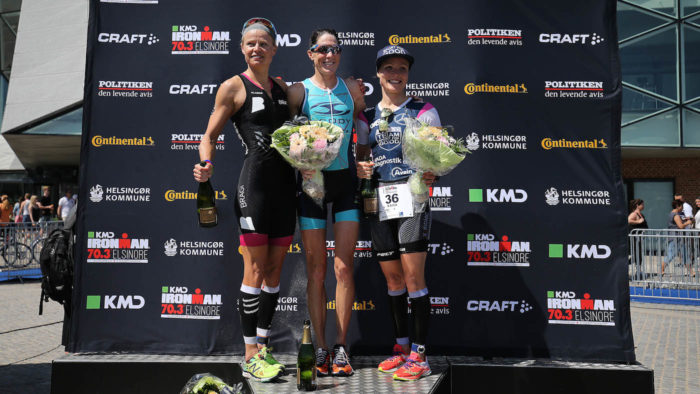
393,363
413,369
341,362
323,361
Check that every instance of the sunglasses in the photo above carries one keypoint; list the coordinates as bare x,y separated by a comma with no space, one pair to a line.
334,49
263,21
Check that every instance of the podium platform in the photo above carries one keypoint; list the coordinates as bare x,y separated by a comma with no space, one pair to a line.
138,373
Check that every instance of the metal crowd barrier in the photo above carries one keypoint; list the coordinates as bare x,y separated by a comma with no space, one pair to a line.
665,264
20,248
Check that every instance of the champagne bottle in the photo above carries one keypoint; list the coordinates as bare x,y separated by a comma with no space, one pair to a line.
206,207
369,195
306,362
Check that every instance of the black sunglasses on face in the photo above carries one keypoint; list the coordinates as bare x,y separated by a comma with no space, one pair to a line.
334,49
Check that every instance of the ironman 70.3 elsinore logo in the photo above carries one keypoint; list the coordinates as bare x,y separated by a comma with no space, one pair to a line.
177,302
565,307
110,247
193,40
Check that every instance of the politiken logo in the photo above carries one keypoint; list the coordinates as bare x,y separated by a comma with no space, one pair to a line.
172,195
475,141
363,249
565,307
573,89
490,251
497,37
99,141
497,195
193,248
356,38
485,87
126,89
195,40
114,302
498,306
576,197
363,305
177,302
440,198
109,247
563,143
571,39
184,142
579,251
442,249
438,305
192,89
428,89
99,193
126,38
288,40
440,38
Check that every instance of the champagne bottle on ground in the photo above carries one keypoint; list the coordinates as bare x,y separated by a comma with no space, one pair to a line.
306,362
206,207
369,195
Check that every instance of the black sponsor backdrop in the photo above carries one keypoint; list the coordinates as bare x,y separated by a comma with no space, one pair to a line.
521,329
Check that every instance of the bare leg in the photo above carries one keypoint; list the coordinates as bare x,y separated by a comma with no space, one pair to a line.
254,262
345,241
315,246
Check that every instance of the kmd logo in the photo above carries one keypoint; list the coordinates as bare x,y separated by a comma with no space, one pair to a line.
440,198
178,303
288,40
442,249
498,306
564,307
581,39
119,38
120,194
115,302
579,251
577,197
496,141
485,250
193,248
498,195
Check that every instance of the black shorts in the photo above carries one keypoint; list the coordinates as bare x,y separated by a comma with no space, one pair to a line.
341,191
394,237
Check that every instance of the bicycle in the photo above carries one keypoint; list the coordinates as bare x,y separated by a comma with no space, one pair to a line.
15,254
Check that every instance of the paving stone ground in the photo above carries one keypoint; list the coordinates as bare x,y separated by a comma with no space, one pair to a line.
667,339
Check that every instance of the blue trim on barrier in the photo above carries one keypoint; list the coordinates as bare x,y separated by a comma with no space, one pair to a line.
665,296
31,273
311,223
351,215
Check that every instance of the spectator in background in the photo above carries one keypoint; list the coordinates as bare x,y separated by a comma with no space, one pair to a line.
45,205
24,209
687,211
34,210
636,219
66,204
697,213
5,212
15,210
675,245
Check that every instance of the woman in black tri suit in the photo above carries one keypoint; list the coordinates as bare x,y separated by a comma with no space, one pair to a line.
266,193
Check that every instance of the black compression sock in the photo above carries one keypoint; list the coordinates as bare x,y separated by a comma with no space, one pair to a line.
399,314
268,303
420,306
248,305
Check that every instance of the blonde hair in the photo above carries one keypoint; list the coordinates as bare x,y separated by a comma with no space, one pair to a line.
32,200
5,202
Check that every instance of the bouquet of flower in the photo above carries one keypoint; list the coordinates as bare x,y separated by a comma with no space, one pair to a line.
429,149
205,383
310,146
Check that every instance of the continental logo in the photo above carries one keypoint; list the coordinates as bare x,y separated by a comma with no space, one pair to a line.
396,39
99,141
364,305
172,195
472,88
549,143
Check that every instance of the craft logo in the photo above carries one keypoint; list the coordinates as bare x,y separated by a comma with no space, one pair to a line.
496,142
120,194
486,250
107,247
363,249
193,248
498,195
564,307
128,89
114,302
548,144
131,1
472,88
442,38
192,89
498,306
364,305
494,37
288,40
573,89
190,40
119,38
179,303
192,141
99,141
580,39
428,89
438,305
577,197
172,195
442,249
440,198
579,251
356,38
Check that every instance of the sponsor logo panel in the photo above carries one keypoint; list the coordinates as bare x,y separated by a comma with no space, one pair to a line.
439,38
571,39
178,89
114,302
576,197
127,89
363,249
475,142
184,141
485,87
510,37
438,305
361,305
196,40
356,38
440,198
178,302
573,89
193,248
520,306
111,247
563,143
99,193
566,307
173,195
288,40
497,195
488,250
99,141
441,249
579,251
428,89
128,39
